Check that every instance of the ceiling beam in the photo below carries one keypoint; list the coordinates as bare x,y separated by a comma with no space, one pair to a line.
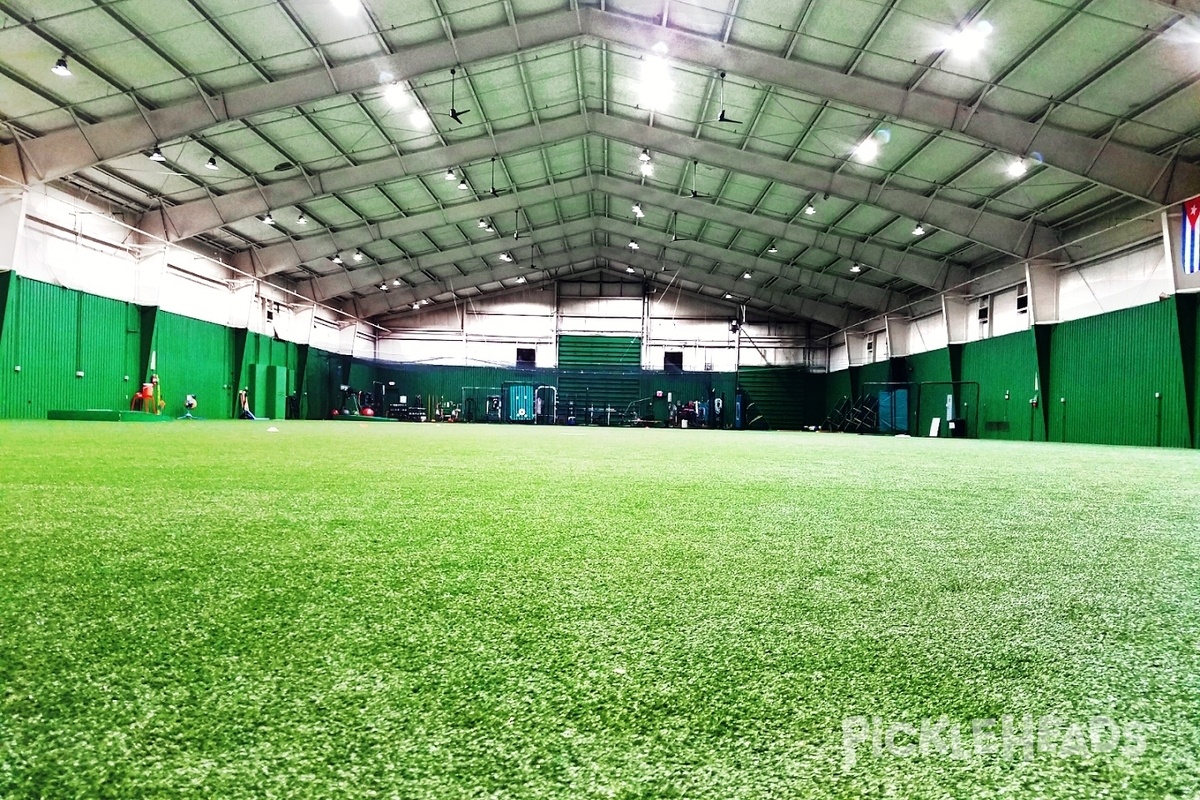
327,287
60,153
186,220
1022,239
1147,176
803,307
863,295
1182,6
904,264
292,253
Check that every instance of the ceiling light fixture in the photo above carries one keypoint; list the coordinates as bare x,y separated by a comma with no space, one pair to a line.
521,279
856,268
301,220
747,275
1017,168
449,175
969,42
630,270
633,245
506,258
637,211
347,7
396,95
645,156
483,226
810,210
728,296
416,306
867,150
156,154
60,67
358,256
212,164
337,260
268,219
772,249
463,185
919,230
395,281
383,286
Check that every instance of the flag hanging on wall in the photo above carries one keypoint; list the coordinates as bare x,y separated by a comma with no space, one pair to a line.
1191,236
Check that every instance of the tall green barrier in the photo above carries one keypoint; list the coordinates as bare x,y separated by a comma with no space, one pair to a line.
1006,369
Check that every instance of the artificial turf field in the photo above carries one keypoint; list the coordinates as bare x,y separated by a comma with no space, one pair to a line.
209,609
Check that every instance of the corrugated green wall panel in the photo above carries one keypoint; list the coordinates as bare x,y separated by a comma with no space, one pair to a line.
837,388
195,357
594,351
780,397
1108,370
927,402
1006,367
53,333
320,384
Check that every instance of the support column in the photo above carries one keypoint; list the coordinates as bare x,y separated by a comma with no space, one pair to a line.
898,336
955,312
1042,282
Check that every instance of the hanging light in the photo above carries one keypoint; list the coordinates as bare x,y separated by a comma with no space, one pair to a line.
645,156
1017,168
772,248
60,67
630,270
728,296
521,279
383,286
637,211
358,256
395,281
867,150
338,260
856,268
301,220
416,306
810,209
506,258
268,219
483,225
462,185
919,230
633,245
212,164
747,275
450,175
156,154
396,95
647,170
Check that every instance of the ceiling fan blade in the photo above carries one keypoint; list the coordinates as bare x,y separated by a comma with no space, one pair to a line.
730,120
456,115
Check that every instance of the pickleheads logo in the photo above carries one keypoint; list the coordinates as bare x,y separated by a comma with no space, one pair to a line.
1009,738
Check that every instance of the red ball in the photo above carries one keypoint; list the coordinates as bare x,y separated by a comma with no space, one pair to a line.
335,412
368,412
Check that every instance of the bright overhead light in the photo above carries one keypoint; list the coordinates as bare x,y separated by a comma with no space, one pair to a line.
810,210
395,281
450,176
463,185
856,268
747,275
656,89
645,156
60,68
301,220
416,306
212,164
337,260
919,230
637,211
268,219
728,296
396,95
506,258
969,42
156,154
772,249
347,7
358,256
633,245
647,170
630,270
483,225
1017,168
867,150
383,286
490,229
521,279
420,120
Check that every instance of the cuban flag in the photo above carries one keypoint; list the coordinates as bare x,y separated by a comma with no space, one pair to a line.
1191,236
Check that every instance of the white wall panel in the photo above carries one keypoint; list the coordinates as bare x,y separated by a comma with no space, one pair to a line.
1129,280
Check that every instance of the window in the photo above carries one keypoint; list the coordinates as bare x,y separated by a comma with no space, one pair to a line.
1022,299
985,308
673,361
526,358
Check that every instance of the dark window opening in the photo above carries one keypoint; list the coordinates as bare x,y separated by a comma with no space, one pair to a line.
673,361
526,358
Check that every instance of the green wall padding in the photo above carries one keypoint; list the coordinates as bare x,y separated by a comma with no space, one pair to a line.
786,398
925,403
195,357
1108,369
52,333
594,351
1006,366
599,373
837,389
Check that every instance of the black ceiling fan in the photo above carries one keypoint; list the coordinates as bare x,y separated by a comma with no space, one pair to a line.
694,194
455,114
494,192
723,116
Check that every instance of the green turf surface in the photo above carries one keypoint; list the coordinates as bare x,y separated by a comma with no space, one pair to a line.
212,609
